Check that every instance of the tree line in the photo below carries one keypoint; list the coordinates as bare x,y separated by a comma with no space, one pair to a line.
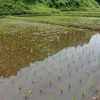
9,7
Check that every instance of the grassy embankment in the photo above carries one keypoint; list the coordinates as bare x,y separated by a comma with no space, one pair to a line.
85,20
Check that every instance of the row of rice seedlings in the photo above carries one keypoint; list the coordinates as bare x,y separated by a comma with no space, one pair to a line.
61,89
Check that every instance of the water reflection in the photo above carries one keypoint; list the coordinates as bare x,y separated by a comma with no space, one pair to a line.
19,49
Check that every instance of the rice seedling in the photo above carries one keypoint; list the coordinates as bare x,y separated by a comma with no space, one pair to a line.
53,57
94,69
40,88
40,76
19,86
51,97
46,60
61,68
69,83
74,98
42,67
50,80
76,68
88,72
88,60
52,64
49,71
92,84
61,89
80,78
33,80
12,79
72,55
70,71
35,71
25,94
60,61
68,62
8,72
73,61
98,65
37,63
26,75
59,76
83,92
82,63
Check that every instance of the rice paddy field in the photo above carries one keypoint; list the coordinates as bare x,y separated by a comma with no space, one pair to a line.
40,61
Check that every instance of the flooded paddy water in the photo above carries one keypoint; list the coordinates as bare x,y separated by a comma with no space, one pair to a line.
47,62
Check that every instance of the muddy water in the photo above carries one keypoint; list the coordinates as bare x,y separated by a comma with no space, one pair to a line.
45,53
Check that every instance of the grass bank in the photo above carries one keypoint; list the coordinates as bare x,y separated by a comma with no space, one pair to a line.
77,20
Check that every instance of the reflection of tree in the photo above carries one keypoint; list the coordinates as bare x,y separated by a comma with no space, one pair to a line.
18,50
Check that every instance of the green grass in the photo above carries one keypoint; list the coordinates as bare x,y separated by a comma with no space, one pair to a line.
94,13
78,21
41,9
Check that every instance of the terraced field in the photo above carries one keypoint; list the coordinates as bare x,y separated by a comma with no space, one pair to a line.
47,62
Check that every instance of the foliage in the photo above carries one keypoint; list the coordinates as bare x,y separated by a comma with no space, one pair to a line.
12,7
8,7
39,8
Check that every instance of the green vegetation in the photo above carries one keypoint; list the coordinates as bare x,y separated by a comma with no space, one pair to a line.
61,89
16,7
64,20
83,92
19,85
12,7
40,88
25,94
51,97
74,98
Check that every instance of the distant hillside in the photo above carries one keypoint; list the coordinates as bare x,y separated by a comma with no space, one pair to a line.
8,7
